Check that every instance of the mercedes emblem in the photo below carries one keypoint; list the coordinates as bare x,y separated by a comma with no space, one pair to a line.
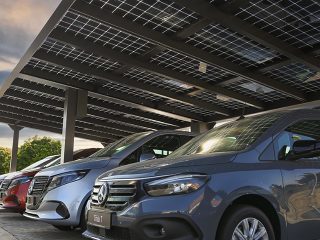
103,193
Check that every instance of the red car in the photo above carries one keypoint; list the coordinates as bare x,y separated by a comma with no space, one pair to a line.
14,187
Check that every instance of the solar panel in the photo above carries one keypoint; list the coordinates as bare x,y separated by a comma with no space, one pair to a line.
232,46
296,75
190,66
190,108
69,52
294,21
59,70
253,90
141,75
213,98
102,34
161,15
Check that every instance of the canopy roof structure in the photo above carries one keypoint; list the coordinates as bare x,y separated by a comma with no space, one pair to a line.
160,64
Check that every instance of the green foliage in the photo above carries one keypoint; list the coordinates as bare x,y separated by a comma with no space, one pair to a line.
5,156
35,149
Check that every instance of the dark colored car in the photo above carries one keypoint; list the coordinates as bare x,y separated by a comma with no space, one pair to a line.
14,195
256,178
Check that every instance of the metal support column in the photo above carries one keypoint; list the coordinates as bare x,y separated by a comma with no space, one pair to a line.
200,127
15,145
75,107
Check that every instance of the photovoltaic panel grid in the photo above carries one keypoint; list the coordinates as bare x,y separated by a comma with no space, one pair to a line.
250,89
102,34
293,21
71,53
189,66
232,46
161,15
234,56
297,75
141,75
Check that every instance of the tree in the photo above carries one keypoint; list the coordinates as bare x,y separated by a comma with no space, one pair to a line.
35,149
5,156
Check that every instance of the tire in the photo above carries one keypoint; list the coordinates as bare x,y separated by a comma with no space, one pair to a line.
64,228
238,217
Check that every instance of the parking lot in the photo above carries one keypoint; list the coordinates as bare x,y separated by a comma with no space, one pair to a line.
14,226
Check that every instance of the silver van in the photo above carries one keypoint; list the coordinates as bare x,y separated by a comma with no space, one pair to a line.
58,195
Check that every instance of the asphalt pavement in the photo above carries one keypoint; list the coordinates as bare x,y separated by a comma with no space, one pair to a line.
14,226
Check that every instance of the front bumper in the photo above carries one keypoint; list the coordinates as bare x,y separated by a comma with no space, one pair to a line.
15,197
63,205
187,217
169,226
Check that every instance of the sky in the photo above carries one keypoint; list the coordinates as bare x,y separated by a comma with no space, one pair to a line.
20,23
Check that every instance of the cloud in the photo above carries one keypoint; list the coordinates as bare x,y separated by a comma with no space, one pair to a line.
20,22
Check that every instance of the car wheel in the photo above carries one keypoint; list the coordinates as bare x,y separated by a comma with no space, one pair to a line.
246,223
64,228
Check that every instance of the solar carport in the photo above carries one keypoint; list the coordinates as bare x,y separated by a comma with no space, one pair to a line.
104,69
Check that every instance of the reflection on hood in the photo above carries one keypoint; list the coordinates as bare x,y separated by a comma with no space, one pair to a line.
152,166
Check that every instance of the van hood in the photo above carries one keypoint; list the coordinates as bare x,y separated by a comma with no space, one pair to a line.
160,166
13,175
82,164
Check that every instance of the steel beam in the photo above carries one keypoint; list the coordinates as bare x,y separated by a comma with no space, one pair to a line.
91,112
112,128
97,102
48,78
202,56
49,125
69,125
111,77
34,125
228,20
130,61
15,146
200,127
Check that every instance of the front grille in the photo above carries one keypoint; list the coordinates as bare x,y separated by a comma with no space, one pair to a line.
5,185
116,233
39,185
121,194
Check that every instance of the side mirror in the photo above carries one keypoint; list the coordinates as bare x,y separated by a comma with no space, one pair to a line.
304,149
147,156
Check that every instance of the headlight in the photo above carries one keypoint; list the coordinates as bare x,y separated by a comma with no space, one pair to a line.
19,181
66,178
176,185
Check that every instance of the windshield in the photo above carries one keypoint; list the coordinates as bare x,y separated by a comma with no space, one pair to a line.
119,145
234,136
53,163
41,163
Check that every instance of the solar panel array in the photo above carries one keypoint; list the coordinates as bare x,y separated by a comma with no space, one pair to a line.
209,65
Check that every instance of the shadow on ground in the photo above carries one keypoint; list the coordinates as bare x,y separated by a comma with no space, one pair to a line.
25,229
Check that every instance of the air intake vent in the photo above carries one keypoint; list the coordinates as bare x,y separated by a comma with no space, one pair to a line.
39,185
5,185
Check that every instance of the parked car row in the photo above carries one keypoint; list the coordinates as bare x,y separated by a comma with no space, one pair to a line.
252,179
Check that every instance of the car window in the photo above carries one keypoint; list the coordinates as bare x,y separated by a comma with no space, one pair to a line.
41,163
84,153
119,145
162,146
184,139
302,130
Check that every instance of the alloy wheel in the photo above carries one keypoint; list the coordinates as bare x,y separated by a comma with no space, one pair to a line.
250,229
